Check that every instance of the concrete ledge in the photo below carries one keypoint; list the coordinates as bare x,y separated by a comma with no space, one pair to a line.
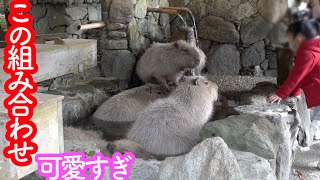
48,118
58,60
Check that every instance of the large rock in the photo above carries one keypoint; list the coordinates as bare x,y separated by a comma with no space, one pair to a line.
121,11
77,12
116,44
254,167
94,12
211,159
254,30
138,43
38,12
218,8
79,102
245,132
141,170
254,55
224,60
241,11
272,11
286,121
118,63
216,29
140,9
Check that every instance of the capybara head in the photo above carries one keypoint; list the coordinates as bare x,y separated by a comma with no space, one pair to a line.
203,85
190,54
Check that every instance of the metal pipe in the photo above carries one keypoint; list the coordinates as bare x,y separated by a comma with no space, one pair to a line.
94,25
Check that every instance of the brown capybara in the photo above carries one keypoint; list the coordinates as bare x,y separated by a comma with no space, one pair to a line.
165,63
170,126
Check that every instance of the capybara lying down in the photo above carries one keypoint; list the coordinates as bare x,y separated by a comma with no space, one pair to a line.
116,115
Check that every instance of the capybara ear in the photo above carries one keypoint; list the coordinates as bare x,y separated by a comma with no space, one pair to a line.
182,79
176,45
196,82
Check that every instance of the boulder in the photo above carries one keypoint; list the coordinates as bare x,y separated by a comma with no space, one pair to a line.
254,55
254,29
122,11
211,159
224,60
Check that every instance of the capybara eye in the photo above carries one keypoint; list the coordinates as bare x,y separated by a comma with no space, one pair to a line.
159,92
206,83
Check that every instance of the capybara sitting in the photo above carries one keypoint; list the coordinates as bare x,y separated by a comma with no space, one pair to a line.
165,63
170,126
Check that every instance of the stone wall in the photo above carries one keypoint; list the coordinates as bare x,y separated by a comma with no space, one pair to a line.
130,30
234,34
58,16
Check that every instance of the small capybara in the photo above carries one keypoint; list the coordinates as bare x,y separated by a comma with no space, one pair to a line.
165,63
117,114
170,126
77,134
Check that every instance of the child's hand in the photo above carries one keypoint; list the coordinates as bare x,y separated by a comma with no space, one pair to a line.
273,98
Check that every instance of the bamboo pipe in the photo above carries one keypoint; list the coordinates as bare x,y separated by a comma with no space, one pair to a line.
94,25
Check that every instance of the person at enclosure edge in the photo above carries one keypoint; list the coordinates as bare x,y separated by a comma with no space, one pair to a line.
304,41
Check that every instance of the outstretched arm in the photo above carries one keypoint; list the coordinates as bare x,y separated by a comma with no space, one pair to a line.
303,65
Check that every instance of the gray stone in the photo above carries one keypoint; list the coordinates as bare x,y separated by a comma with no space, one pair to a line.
141,170
79,102
238,84
121,11
271,73
278,35
144,169
205,45
224,60
245,132
87,147
254,167
211,159
273,60
254,30
305,136
254,55
286,121
218,8
115,26
38,12
77,12
117,34
272,11
118,63
94,12
265,64
140,9
56,16
138,43
117,44
154,30
73,28
241,11
216,29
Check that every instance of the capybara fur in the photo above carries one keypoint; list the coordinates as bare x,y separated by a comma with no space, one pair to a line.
77,134
117,114
164,63
171,126
125,145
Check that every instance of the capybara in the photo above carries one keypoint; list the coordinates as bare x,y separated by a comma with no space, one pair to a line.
117,114
170,126
165,63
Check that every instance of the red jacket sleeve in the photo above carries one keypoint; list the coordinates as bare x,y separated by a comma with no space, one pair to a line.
303,65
